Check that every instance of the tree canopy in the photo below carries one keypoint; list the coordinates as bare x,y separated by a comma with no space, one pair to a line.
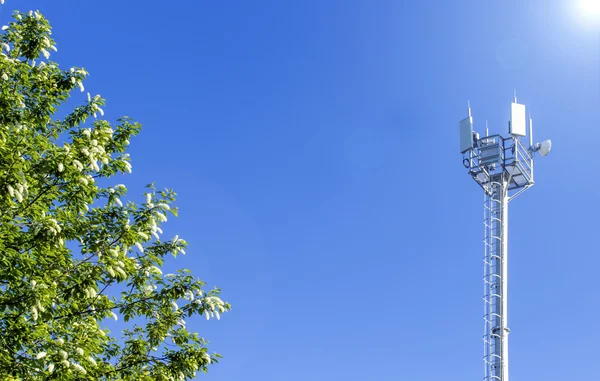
72,253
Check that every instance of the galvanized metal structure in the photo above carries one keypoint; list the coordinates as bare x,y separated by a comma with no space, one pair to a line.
503,167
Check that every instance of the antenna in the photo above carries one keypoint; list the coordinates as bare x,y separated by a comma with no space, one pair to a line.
503,168
487,132
518,118
467,136
530,131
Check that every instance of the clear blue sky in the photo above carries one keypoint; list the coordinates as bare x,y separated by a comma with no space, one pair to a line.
314,148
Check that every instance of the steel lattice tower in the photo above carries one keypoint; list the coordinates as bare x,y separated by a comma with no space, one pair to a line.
503,167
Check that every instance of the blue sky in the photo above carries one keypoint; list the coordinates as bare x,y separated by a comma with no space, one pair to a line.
314,148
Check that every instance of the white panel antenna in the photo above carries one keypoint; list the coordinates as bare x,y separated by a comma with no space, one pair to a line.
518,120
466,133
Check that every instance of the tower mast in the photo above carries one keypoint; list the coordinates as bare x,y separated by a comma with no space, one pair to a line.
503,167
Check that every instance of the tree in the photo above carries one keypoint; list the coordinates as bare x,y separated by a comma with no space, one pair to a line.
72,254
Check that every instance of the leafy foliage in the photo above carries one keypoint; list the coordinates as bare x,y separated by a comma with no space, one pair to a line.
72,254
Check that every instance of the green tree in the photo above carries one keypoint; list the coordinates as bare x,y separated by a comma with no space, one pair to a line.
72,254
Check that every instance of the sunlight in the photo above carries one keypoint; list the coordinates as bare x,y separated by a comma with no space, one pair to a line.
590,8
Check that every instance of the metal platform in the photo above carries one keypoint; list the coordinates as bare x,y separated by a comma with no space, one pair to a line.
494,159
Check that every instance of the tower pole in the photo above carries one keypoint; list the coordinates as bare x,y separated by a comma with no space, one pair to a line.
495,279
505,331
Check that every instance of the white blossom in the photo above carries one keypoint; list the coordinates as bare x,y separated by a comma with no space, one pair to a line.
139,246
163,206
78,164
148,198
118,201
11,191
6,47
45,53
79,368
91,359
60,341
4,76
63,354
60,167
80,84
51,367
40,355
79,351
4,27
114,315
53,48
122,272
33,283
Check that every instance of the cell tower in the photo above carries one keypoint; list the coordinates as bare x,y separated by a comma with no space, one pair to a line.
503,167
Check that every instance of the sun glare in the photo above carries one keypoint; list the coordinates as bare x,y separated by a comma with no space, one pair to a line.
590,7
